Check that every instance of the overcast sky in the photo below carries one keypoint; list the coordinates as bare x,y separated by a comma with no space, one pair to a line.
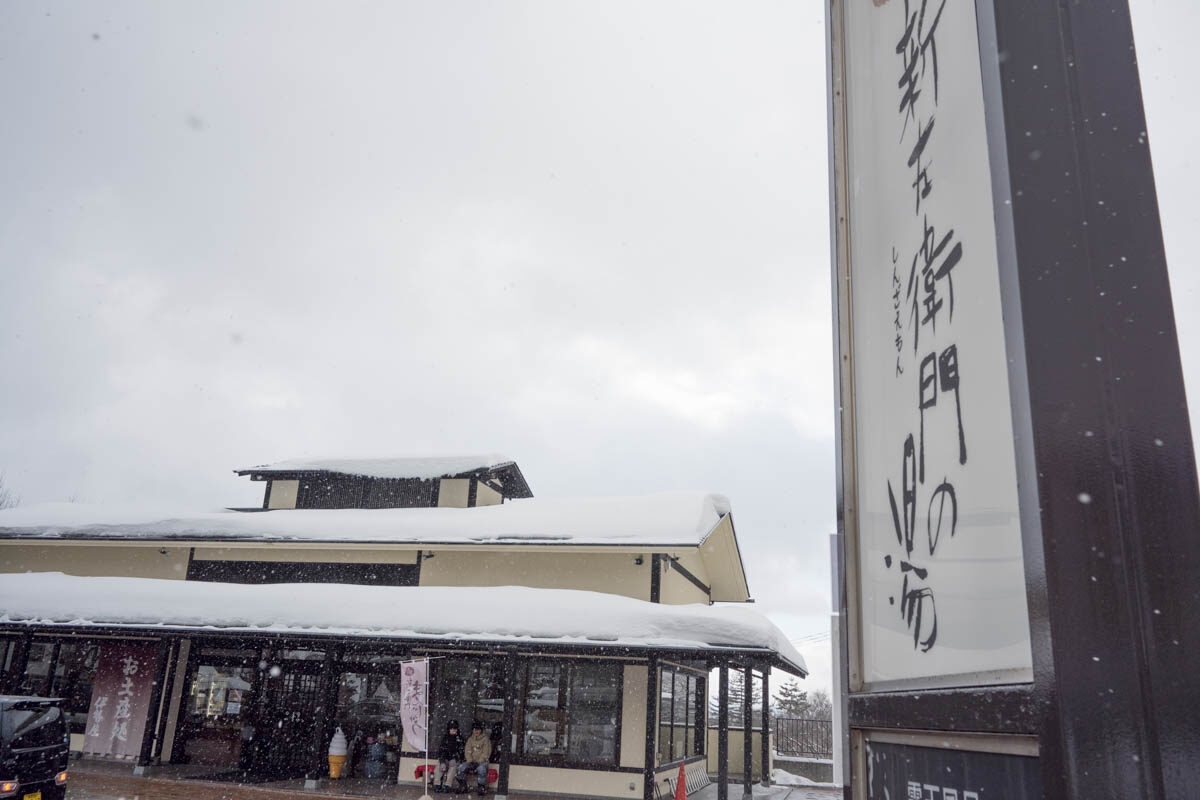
593,236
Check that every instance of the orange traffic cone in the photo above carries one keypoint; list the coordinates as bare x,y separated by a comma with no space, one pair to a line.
681,785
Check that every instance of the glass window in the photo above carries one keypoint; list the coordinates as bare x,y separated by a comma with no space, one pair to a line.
681,731
368,704
218,706
467,689
37,670
569,712
593,701
74,672
542,717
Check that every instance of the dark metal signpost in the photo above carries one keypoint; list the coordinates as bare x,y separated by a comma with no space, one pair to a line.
1018,516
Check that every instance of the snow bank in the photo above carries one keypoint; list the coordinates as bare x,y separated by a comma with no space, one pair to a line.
674,518
505,613
411,467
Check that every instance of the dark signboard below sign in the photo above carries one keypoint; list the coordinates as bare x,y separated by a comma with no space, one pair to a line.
905,772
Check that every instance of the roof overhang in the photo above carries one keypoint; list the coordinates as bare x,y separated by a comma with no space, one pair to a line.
478,617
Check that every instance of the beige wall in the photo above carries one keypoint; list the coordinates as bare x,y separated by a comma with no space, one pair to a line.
95,560
487,496
283,494
614,573
454,492
725,574
633,717
676,589
286,551
736,755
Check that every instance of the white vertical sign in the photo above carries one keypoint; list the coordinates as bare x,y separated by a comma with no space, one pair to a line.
940,568
414,703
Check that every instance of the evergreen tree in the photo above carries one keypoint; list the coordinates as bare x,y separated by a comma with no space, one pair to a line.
791,702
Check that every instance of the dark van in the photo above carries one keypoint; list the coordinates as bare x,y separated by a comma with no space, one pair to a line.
34,747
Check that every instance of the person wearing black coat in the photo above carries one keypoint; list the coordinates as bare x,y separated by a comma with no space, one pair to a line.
450,754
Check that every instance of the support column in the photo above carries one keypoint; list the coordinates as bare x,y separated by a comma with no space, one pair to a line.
723,732
510,707
747,732
766,725
655,577
156,690
652,694
321,719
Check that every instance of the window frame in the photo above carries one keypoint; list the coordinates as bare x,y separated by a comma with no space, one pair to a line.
695,715
566,670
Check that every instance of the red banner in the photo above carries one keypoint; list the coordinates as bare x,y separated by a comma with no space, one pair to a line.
120,699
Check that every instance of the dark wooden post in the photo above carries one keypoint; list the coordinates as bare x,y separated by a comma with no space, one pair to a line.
766,725
747,731
156,689
651,752
317,762
723,732
511,688
655,577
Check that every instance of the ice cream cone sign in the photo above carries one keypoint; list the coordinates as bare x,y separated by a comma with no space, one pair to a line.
681,785
338,747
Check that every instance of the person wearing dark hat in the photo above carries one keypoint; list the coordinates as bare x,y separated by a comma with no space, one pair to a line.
450,755
478,751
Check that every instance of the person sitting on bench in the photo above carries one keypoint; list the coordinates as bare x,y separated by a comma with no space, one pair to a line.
478,752
450,755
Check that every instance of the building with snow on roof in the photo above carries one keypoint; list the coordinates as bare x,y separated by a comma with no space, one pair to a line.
580,633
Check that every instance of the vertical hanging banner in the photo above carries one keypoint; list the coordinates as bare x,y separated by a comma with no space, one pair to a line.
940,574
414,703
120,699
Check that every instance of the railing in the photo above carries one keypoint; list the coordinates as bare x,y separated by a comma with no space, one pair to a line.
811,738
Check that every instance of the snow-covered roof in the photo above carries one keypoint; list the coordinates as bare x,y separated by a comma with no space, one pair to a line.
666,519
475,614
424,467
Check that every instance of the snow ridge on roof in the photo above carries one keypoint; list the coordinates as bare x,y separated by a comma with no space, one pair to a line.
670,518
424,467
503,613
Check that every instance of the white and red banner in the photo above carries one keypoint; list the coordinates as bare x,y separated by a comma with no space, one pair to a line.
120,699
414,703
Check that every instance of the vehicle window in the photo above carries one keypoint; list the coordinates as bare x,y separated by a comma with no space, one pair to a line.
25,728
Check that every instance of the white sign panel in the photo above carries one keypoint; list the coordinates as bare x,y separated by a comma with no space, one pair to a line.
414,703
942,586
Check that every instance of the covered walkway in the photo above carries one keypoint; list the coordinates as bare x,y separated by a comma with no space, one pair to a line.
108,781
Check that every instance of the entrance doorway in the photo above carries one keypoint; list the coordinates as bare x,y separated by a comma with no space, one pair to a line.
283,741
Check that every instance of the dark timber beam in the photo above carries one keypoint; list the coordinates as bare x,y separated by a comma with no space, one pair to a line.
511,695
674,564
655,577
651,723
766,725
747,732
723,732
321,720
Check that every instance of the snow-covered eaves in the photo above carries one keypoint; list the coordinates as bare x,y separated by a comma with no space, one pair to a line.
674,519
509,614
424,468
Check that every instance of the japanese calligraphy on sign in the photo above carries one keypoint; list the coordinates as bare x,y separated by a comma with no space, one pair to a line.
120,699
941,575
